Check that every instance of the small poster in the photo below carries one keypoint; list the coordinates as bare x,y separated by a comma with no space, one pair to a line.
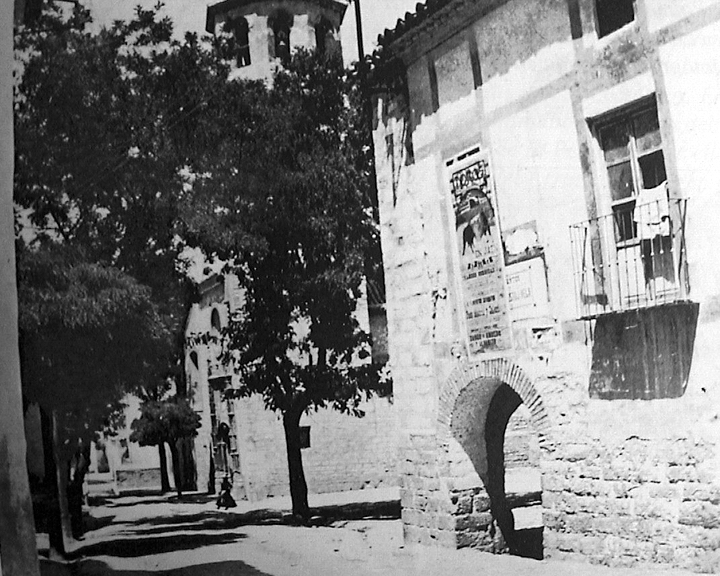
481,254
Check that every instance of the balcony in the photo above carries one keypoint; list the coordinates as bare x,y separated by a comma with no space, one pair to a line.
630,259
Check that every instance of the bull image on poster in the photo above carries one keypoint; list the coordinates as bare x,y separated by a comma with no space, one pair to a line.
481,255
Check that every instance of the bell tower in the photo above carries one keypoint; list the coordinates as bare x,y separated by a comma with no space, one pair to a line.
267,31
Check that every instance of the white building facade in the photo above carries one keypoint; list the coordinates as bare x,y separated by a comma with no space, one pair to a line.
548,194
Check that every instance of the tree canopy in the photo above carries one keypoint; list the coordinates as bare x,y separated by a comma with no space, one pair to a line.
80,323
164,421
289,211
106,124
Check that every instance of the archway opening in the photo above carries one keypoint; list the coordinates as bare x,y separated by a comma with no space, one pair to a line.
497,432
512,479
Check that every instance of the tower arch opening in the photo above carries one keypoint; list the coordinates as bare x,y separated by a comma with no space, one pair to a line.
281,24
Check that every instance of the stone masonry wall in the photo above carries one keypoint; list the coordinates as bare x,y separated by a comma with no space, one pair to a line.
346,453
636,502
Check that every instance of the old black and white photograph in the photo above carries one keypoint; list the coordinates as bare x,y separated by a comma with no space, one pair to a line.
359,287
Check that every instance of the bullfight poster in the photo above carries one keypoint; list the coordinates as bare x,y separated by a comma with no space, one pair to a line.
481,253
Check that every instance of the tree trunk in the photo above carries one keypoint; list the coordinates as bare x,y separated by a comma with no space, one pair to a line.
164,480
62,469
188,472
18,548
298,485
50,488
211,481
75,490
175,454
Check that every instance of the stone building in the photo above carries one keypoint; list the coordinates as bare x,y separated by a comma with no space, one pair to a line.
340,452
548,199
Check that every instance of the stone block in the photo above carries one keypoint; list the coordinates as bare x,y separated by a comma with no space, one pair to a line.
708,562
551,499
605,525
621,469
412,534
553,520
574,452
445,538
578,523
553,483
473,522
702,514
568,542
687,558
446,522
590,545
666,491
481,503
707,539
703,492
656,508
425,538
620,489
652,473
682,474
664,554
464,505
592,472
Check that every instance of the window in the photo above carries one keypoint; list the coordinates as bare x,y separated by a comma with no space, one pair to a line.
240,30
215,323
322,34
232,438
281,24
632,149
613,14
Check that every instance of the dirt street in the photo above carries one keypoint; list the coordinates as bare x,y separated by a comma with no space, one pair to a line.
159,536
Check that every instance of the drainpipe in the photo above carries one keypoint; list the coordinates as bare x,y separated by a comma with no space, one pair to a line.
358,23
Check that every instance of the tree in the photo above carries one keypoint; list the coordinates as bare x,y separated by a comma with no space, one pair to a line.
105,123
166,421
79,324
288,208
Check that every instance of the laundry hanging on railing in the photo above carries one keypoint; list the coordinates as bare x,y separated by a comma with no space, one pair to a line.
652,212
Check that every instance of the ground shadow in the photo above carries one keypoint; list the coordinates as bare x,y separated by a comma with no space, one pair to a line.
529,543
126,501
207,521
217,520
132,546
98,568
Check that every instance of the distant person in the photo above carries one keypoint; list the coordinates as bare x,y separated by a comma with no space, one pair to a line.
225,500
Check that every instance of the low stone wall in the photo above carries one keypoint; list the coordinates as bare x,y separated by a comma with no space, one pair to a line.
345,453
640,501
138,479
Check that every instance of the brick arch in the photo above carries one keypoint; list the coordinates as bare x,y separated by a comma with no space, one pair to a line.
506,372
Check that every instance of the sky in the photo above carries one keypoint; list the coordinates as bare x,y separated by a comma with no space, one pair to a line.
189,15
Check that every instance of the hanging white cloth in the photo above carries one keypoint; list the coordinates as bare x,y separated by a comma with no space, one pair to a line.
652,212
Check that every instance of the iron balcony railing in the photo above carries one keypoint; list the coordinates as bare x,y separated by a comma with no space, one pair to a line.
632,258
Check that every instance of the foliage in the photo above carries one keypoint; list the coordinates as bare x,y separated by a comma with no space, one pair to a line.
80,323
164,421
105,124
292,217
